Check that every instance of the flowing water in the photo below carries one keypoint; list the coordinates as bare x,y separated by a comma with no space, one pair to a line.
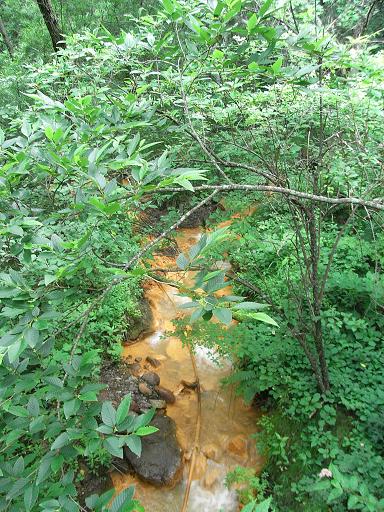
226,423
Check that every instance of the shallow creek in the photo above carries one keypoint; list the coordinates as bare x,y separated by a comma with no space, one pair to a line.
226,423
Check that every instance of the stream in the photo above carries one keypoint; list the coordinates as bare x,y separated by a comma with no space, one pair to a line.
226,422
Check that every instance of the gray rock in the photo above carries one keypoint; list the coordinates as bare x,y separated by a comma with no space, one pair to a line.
151,378
161,458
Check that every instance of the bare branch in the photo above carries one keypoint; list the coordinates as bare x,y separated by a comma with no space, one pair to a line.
374,204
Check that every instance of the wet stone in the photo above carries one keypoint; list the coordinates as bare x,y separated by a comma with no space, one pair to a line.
134,406
211,451
151,378
160,462
165,394
238,446
153,361
145,389
135,369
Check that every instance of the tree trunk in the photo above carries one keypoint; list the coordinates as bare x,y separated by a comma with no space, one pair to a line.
51,23
6,39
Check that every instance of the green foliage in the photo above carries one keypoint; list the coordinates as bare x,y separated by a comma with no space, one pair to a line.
137,110
250,489
121,503
309,429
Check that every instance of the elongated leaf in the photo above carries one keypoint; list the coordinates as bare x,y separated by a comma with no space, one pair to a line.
265,7
114,446
122,500
30,497
108,414
33,406
188,305
54,381
182,262
198,313
145,431
32,336
60,441
224,315
44,469
122,410
252,22
134,444
249,305
264,505
263,317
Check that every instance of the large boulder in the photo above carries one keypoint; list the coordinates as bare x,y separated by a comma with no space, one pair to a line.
161,458
141,324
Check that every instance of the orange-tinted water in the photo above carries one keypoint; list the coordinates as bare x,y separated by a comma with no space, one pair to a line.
226,423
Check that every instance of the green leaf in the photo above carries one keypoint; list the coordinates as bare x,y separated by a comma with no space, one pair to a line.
169,6
19,411
7,292
18,467
264,505
49,132
249,305
224,315
134,444
252,22
71,407
60,441
114,446
32,336
182,262
122,500
54,381
145,431
108,414
335,493
198,313
48,279
276,66
143,419
44,469
123,409
353,500
249,507
263,317
264,8
188,305
33,406
30,497
218,54
104,429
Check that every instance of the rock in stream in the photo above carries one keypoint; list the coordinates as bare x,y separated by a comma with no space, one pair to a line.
161,458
